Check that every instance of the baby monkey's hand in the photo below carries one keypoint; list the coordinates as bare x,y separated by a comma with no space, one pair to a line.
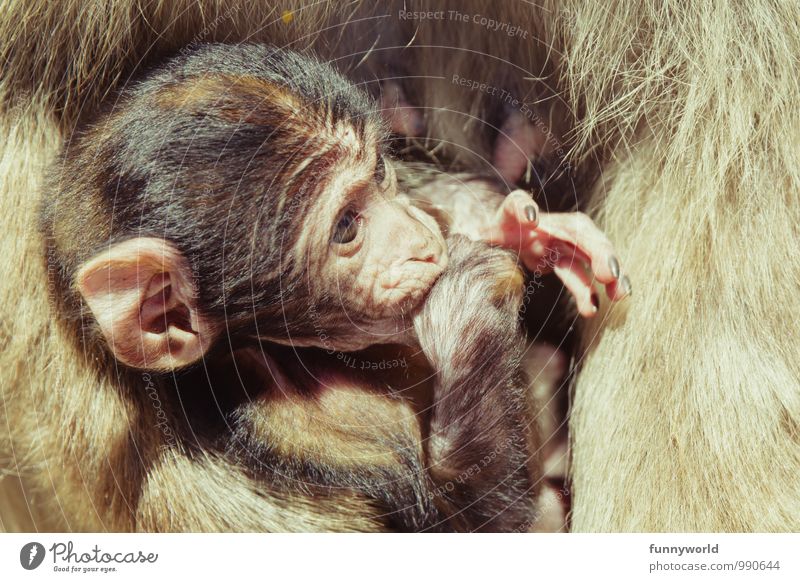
569,244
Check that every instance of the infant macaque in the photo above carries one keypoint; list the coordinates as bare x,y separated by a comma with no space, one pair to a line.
233,227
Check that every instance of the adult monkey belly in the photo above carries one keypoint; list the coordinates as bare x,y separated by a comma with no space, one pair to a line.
686,417
687,405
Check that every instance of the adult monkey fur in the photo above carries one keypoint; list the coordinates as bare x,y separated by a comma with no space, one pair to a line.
687,421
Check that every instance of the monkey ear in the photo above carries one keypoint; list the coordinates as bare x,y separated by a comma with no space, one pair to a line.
142,296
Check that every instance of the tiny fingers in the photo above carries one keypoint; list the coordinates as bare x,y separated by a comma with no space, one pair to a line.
579,231
578,283
566,242
516,218
520,209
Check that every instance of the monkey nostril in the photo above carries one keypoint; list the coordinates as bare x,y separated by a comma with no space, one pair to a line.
425,251
429,258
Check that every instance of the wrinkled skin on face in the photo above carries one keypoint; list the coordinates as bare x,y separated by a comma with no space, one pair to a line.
381,255
402,253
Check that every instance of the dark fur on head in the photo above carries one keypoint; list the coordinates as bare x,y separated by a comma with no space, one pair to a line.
175,144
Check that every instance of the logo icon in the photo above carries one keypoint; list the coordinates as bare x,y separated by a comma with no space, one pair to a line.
31,555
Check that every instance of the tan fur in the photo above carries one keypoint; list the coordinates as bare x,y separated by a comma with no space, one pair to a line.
688,404
510,285
206,494
343,426
33,358
65,426
213,89
100,43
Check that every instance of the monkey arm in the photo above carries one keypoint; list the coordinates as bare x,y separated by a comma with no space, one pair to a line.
456,460
477,451
461,203
569,243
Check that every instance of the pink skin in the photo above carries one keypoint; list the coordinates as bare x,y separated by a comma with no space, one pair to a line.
518,142
577,240
403,118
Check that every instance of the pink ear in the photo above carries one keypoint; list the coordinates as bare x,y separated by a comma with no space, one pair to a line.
142,296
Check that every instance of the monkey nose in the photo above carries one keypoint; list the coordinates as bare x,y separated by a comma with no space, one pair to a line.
429,254
428,258
426,250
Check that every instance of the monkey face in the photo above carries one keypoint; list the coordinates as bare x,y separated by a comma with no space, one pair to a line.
382,255
323,251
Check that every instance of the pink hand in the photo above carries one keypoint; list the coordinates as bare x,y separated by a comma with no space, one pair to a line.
565,243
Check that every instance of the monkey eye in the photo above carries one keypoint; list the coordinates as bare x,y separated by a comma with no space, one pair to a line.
347,228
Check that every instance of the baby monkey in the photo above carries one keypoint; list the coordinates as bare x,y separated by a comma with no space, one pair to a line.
233,228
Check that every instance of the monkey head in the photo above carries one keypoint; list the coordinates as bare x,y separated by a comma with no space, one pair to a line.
237,191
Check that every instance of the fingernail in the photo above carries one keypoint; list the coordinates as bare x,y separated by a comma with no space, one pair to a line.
626,285
613,264
531,213
595,302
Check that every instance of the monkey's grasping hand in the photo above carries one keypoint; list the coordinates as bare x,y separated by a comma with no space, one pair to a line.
569,244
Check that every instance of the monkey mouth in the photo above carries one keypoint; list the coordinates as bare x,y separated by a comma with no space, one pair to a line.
405,280
399,291
410,273
400,281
